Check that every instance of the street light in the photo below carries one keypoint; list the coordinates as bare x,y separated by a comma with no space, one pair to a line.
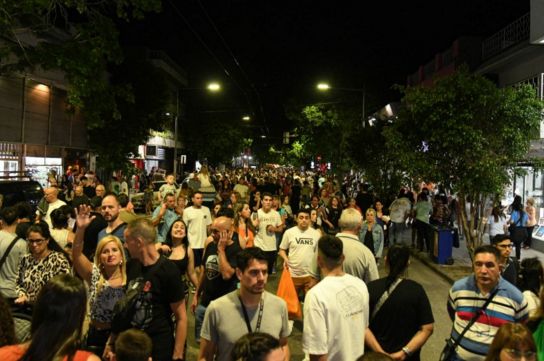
246,118
214,87
326,86
323,86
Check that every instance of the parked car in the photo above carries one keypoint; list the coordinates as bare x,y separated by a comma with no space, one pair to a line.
15,191
137,199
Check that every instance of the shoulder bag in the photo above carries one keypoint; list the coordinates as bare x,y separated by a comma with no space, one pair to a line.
385,295
449,350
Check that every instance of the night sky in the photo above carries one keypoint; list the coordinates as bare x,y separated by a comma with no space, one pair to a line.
284,48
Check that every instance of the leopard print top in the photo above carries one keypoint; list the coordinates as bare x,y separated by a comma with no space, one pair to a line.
34,274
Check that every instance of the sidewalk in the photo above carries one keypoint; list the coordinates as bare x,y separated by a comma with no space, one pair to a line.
462,265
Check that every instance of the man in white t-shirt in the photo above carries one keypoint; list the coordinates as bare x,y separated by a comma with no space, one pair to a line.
198,220
298,249
268,224
336,310
50,196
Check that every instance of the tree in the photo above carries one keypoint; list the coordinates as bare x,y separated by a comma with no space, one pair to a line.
213,139
140,112
79,38
324,130
466,134
379,166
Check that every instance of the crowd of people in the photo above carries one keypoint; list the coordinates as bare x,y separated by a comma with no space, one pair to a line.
211,245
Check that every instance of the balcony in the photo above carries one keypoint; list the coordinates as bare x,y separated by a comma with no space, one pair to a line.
513,34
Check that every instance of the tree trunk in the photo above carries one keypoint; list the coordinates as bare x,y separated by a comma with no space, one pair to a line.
474,229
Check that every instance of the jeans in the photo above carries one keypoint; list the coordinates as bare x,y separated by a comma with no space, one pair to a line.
199,319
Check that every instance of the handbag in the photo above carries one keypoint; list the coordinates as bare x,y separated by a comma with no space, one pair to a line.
288,292
449,349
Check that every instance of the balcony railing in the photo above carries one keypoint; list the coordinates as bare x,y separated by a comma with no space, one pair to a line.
510,35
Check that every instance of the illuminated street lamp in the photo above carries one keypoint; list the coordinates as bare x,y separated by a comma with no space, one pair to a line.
214,87
326,87
323,86
246,118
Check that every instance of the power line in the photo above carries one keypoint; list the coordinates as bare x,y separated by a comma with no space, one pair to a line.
209,50
236,62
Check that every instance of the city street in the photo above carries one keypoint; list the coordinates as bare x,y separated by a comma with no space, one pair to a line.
435,286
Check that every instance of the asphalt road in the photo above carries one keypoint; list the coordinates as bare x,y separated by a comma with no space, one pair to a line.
437,291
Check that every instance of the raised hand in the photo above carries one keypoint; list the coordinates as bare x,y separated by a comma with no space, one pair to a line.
83,216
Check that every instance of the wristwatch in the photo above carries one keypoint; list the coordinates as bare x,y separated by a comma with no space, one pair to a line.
407,351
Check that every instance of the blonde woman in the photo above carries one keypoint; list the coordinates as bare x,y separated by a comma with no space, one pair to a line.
531,223
371,233
106,278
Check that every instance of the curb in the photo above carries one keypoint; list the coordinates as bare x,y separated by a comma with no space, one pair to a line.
432,265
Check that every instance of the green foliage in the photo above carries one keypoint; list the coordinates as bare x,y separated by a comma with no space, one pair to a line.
213,139
324,130
141,111
464,133
80,39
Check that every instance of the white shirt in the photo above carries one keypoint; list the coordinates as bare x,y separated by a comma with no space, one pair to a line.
302,248
197,221
336,313
263,239
50,208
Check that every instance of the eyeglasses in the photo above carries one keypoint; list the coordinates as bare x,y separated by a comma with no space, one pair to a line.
36,241
517,354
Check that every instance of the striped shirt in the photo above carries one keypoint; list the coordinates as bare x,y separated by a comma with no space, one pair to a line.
465,300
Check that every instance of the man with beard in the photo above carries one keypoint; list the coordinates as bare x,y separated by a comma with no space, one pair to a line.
247,310
110,211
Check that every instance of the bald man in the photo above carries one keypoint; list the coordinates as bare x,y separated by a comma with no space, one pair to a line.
52,202
219,277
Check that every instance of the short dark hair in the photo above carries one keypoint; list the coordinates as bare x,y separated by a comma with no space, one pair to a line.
24,210
123,200
225,212
331,248
305,210
499,238
133,345
59,218
488,249
9,215
254,346
246,255
195,193
266,194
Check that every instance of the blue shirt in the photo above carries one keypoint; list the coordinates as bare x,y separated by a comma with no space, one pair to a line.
166,222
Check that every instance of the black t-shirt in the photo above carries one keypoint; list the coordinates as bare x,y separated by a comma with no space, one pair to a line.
89,191
364,201
401,316
214,286
165,289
